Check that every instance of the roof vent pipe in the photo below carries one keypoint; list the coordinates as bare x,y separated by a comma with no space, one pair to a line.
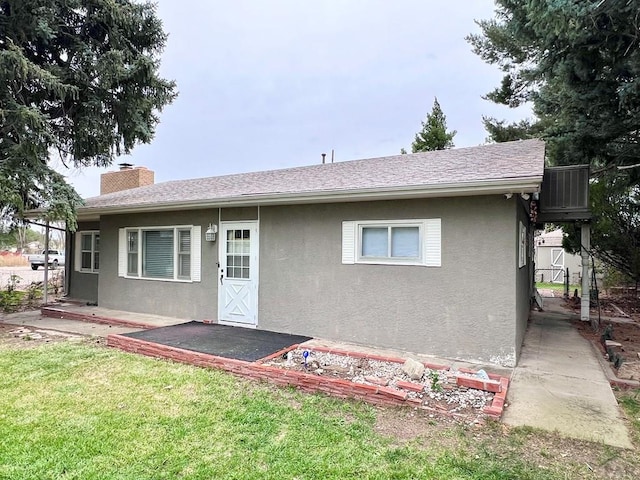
324,155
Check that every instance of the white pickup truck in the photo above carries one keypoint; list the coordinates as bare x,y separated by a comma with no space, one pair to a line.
55,258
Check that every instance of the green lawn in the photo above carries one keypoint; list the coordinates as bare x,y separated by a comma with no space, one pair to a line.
77,411
557,287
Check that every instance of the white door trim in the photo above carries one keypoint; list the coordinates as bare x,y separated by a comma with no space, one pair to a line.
226,285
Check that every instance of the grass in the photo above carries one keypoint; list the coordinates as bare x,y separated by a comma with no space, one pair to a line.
557,287
630,402
76,411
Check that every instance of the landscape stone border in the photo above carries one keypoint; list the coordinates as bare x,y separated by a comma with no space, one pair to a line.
374,394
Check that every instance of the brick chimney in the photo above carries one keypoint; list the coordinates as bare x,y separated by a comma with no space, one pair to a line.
127,177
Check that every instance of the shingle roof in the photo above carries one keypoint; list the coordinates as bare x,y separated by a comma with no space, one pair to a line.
493,164
550,239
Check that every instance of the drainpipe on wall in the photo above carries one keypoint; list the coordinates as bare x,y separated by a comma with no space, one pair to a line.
585,241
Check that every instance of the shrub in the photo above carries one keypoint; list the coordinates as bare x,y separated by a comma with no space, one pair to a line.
8,259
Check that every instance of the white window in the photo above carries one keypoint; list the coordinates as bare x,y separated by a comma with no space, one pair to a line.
87,254
396,242
522,246
162,253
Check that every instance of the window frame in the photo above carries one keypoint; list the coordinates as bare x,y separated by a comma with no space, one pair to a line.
430,238
93,251
389,259
194,232
522,246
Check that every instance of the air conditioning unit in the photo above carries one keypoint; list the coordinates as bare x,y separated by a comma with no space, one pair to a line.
564,196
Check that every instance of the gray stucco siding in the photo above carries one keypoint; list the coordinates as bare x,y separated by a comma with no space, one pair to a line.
464,309
468,308
189,300
82,285
524,280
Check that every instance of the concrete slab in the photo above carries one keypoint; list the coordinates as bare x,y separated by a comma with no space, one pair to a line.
35,320
559,385
74,311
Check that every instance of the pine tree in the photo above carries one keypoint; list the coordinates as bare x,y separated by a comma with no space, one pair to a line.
434,135
578,64
78,79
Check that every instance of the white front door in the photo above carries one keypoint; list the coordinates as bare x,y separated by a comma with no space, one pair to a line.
557,265
238,274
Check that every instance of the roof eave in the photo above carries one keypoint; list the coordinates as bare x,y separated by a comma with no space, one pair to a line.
512,185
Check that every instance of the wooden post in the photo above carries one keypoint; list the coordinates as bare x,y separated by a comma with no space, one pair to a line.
46,263
585,236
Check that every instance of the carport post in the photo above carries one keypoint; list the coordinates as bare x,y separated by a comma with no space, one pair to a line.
585,246
46,263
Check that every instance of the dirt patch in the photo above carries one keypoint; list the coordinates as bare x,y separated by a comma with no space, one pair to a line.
576,459
16,336
622,312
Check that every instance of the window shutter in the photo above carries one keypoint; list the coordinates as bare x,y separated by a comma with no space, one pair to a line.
196,253
122,252
77,252
348,242
433,242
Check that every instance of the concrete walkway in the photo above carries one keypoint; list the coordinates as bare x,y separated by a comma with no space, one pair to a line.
559,384
74,311
35,319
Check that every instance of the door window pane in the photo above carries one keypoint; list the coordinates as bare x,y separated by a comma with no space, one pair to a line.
238,253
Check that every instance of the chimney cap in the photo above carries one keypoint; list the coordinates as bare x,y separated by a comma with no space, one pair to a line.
125,166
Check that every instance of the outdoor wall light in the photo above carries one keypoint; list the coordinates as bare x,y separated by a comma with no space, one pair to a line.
210,234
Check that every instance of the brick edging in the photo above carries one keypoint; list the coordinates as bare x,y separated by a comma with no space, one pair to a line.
83,317
375,394
496,409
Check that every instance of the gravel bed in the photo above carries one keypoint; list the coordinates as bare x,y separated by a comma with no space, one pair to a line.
440,390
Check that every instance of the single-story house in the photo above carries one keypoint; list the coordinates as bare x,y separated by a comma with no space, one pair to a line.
427,252
552,260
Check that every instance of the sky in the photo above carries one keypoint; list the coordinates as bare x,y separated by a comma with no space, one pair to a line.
269,85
